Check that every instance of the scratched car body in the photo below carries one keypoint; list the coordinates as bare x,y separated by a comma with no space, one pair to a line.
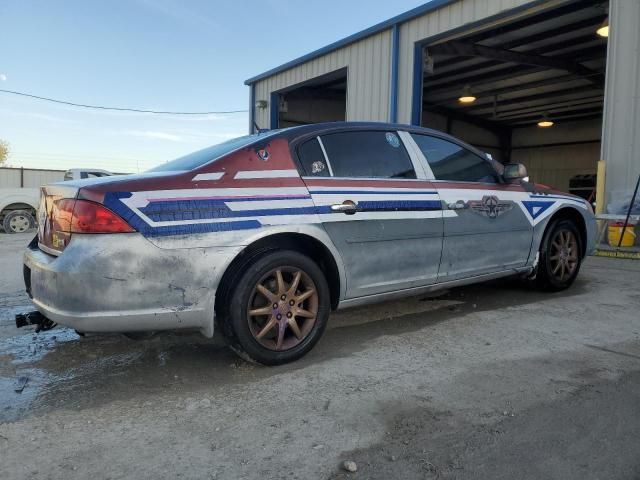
264,235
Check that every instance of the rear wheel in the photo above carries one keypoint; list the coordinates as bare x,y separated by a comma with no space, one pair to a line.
18,221
560,256
278,309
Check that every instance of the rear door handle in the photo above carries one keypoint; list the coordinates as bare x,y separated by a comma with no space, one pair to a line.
347,207
459,205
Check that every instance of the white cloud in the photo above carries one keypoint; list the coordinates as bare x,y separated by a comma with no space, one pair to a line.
155,135
3,77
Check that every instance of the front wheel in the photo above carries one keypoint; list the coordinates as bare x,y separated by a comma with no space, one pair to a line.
560,256
278,309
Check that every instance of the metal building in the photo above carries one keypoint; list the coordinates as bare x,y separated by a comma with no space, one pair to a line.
520,62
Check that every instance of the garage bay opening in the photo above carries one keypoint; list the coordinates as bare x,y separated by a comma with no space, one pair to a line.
527,89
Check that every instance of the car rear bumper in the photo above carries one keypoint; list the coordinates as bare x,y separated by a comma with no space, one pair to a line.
123,283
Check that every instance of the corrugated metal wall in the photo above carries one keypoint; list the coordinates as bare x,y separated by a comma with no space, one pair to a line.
368,63
621,134
11,177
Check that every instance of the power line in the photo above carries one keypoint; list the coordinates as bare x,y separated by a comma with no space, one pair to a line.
119,109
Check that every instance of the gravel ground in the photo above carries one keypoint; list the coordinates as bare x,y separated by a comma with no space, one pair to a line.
489,381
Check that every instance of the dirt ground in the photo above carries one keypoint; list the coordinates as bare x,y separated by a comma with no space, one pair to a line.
493,381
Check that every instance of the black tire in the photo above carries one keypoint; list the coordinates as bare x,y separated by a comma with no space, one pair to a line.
237,326
548,276
18,221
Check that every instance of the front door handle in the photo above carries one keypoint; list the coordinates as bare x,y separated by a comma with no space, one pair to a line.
459,205
347,207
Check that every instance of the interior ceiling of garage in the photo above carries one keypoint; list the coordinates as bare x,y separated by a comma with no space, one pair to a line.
552,63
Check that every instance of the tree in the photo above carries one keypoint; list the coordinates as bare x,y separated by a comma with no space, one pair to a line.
4,152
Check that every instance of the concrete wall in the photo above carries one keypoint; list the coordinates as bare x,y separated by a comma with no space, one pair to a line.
10,177
555,165
621,133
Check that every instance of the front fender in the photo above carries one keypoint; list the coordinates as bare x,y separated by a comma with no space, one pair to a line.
568,207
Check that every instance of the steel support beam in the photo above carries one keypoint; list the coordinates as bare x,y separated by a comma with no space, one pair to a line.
509,56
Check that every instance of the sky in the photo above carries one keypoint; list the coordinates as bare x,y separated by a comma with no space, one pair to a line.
177,55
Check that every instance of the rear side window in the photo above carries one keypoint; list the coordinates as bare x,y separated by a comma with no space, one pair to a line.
312,159
449,161
376,154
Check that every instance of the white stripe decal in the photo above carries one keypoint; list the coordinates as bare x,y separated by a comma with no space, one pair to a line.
268,204
266,174
307,219
383,189
141,199
208,176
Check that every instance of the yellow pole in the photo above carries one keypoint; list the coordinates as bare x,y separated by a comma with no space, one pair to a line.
600,187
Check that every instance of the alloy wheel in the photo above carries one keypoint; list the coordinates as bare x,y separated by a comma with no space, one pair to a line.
564,255
283,308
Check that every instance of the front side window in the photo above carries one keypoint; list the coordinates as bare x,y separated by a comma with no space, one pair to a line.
450,161
374,154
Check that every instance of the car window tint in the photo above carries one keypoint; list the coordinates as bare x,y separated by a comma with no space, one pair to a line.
312,159
449,161
376,154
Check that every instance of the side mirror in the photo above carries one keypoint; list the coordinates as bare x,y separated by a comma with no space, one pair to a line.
514,171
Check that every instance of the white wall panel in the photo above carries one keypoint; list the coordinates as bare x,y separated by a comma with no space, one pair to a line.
368,62
10,177
621,133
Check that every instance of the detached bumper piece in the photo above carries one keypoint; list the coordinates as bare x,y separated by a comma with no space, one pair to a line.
41,322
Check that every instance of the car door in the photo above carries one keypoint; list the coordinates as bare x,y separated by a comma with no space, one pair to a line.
375,203
486,228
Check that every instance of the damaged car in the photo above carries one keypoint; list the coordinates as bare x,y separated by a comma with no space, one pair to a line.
264,235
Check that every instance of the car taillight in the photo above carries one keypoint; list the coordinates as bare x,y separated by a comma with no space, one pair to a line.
83,216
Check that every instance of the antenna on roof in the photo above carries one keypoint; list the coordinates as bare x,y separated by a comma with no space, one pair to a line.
258,129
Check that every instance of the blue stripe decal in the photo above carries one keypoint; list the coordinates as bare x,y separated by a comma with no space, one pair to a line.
374,192
536,208
200,228
399,206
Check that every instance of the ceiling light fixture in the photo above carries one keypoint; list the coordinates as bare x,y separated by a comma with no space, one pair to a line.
603,30
467,96
545,122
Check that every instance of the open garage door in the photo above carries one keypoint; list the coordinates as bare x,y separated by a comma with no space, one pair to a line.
323,99
529,90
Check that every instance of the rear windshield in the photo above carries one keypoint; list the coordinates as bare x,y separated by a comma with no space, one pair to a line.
199,158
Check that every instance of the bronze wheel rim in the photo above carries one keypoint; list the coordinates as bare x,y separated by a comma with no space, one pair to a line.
282,308
564,255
